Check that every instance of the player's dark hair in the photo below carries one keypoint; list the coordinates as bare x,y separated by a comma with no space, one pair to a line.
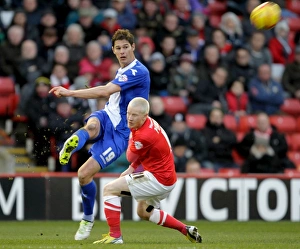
122,34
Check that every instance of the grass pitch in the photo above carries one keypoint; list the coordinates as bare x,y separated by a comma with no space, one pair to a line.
146,235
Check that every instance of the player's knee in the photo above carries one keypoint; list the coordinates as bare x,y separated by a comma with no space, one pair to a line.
144,212
93,128
83,176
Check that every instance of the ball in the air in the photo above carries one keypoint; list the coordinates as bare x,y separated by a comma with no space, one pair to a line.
265,15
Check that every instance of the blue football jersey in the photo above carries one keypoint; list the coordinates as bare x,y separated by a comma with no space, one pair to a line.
134,81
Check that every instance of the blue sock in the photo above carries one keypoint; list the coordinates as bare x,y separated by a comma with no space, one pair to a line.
88,194
83,136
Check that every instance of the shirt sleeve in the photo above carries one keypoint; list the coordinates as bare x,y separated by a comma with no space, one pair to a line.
130,78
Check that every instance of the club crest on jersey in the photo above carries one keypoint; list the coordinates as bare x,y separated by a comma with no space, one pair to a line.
123,78
138,145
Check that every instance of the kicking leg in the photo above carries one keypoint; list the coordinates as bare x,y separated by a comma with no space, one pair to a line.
78,140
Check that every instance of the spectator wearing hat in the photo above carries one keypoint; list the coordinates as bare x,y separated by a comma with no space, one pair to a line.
159,75
110,23
145,48
192,140
291,76
220,142
126,17
184,79
38,108
90,28
73,15
49,41
150,17
194,45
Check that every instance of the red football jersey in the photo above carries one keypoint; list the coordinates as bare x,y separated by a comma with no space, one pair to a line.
150,146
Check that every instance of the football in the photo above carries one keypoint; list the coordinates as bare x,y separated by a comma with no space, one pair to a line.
265,16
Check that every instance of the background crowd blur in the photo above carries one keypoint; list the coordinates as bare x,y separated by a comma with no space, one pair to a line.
226,94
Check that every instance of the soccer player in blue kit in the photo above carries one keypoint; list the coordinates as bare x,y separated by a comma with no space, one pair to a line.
107,128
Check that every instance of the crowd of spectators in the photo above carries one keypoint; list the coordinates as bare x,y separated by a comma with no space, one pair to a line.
217,69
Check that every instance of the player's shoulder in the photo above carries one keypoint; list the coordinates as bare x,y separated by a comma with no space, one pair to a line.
140,67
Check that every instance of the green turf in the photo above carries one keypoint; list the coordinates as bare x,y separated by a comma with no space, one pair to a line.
146,235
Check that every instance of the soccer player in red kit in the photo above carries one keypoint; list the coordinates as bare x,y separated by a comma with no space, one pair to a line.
148,146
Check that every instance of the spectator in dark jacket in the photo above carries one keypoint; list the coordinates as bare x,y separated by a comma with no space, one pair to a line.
38,109
264,148
265,94
291,76
220,142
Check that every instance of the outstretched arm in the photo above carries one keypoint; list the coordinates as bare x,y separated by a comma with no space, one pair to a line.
89,93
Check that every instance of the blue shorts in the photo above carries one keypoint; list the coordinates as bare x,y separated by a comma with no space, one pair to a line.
111,143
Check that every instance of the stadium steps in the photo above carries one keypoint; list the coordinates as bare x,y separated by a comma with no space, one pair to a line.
23,162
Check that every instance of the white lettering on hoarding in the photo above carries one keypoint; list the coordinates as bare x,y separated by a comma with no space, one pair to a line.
206,207
77,201
295,199
16,195
263,208
242,186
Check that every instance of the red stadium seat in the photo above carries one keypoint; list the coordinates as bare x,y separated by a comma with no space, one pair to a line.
230,171
291,106
230,122
285,124
195,121
295,141
247,122
292,172
8,98
174,104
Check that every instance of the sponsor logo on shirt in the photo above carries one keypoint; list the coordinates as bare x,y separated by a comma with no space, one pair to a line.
138,145
123,78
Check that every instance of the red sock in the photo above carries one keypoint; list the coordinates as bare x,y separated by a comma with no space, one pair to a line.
167,220
112,213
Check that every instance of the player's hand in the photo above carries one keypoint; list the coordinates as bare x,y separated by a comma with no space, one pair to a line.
60,91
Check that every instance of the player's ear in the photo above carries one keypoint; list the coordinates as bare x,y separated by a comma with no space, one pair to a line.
133,46
112,48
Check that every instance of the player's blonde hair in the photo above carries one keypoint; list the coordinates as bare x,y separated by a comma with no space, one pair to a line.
142,103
